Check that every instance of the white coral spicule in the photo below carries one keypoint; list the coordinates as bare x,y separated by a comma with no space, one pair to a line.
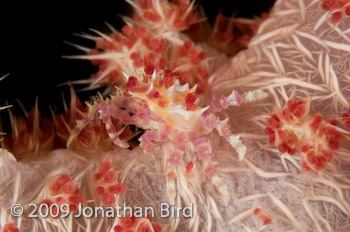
297,46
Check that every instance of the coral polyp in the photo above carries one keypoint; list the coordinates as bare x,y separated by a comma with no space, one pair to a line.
293,131
337,9
107,185
63,190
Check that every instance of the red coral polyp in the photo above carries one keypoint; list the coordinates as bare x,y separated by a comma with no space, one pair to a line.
107,185
316,121
9,227
64,190
345,117
130,223
108,199
338,9
118,188
297,108
263,216
69,187
31,134
104,167
293,131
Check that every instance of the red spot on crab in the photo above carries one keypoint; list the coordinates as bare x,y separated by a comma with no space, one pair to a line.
154,94
185,78
189,167
191,107
149,69
168,78
132,82
190,98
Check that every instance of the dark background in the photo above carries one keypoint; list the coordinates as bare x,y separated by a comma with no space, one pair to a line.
32,45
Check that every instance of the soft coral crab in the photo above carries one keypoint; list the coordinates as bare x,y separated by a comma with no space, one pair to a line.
171,115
